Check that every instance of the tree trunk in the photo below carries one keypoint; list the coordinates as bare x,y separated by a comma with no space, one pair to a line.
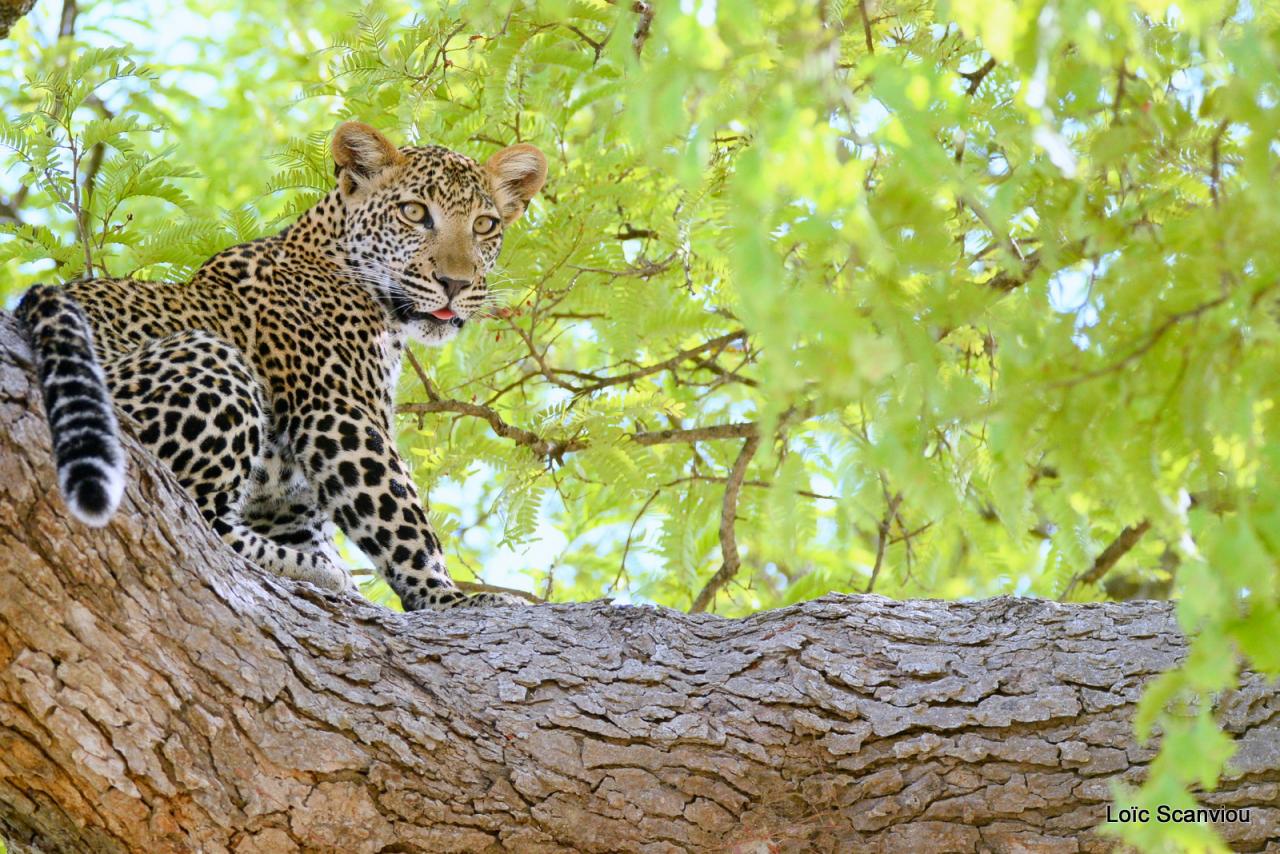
158,694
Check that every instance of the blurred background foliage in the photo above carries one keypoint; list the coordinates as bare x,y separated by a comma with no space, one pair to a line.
921,298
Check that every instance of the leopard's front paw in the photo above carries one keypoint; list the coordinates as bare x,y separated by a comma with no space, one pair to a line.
446,600
491,600
331,576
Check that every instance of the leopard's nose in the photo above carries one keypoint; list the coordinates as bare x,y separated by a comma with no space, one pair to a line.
452,287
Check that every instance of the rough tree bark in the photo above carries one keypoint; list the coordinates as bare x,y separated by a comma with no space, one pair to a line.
157,694
10,13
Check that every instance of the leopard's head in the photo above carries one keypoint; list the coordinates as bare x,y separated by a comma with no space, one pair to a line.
423,225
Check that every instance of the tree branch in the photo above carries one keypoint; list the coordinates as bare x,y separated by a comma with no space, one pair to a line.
718,344
158,693
731,562
91,170
1118,548
555,449
67,20
1006,282
9,208
550,448
866,27
740,430
644,23
1150,340
11,11
976,77
882,538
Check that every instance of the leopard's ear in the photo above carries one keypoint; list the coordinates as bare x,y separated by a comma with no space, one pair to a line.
516,174
360,154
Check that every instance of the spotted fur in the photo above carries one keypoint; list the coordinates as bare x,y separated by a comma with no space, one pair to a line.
267,382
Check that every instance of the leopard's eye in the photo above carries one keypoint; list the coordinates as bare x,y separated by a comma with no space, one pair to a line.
416,213
485,224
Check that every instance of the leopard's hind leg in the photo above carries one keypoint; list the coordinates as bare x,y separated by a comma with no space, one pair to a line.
199,408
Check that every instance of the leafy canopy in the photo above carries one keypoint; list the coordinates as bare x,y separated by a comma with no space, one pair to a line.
936,299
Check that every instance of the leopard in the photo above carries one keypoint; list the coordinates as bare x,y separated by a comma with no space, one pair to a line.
266,383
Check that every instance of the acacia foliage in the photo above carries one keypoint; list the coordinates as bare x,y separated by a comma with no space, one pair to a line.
983,291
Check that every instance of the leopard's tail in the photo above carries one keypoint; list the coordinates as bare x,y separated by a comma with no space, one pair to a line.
86,436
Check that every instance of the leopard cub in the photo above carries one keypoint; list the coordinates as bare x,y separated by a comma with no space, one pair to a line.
267,382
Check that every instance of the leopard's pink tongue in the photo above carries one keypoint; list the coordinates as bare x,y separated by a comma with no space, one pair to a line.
442,314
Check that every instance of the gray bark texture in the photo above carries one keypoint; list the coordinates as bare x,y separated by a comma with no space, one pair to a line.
158,694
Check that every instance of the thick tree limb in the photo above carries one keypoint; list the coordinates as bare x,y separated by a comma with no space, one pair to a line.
157,694
11,11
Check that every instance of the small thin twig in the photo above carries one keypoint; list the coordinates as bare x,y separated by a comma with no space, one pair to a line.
93,167
1000,233
882,539
1121,73
626,549
1142,349
428,386
760,484
596,45
1215,171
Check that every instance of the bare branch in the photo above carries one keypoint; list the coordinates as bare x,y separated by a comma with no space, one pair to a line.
1010,281
549,448
737,430
761,484
557,448
866,27
643,268
998,231
9,208
428,386
645,22
667,364
67,21
1152,338
626,549
728,516
975,78
645,11
1119,547
882,539
1215,169
630,233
